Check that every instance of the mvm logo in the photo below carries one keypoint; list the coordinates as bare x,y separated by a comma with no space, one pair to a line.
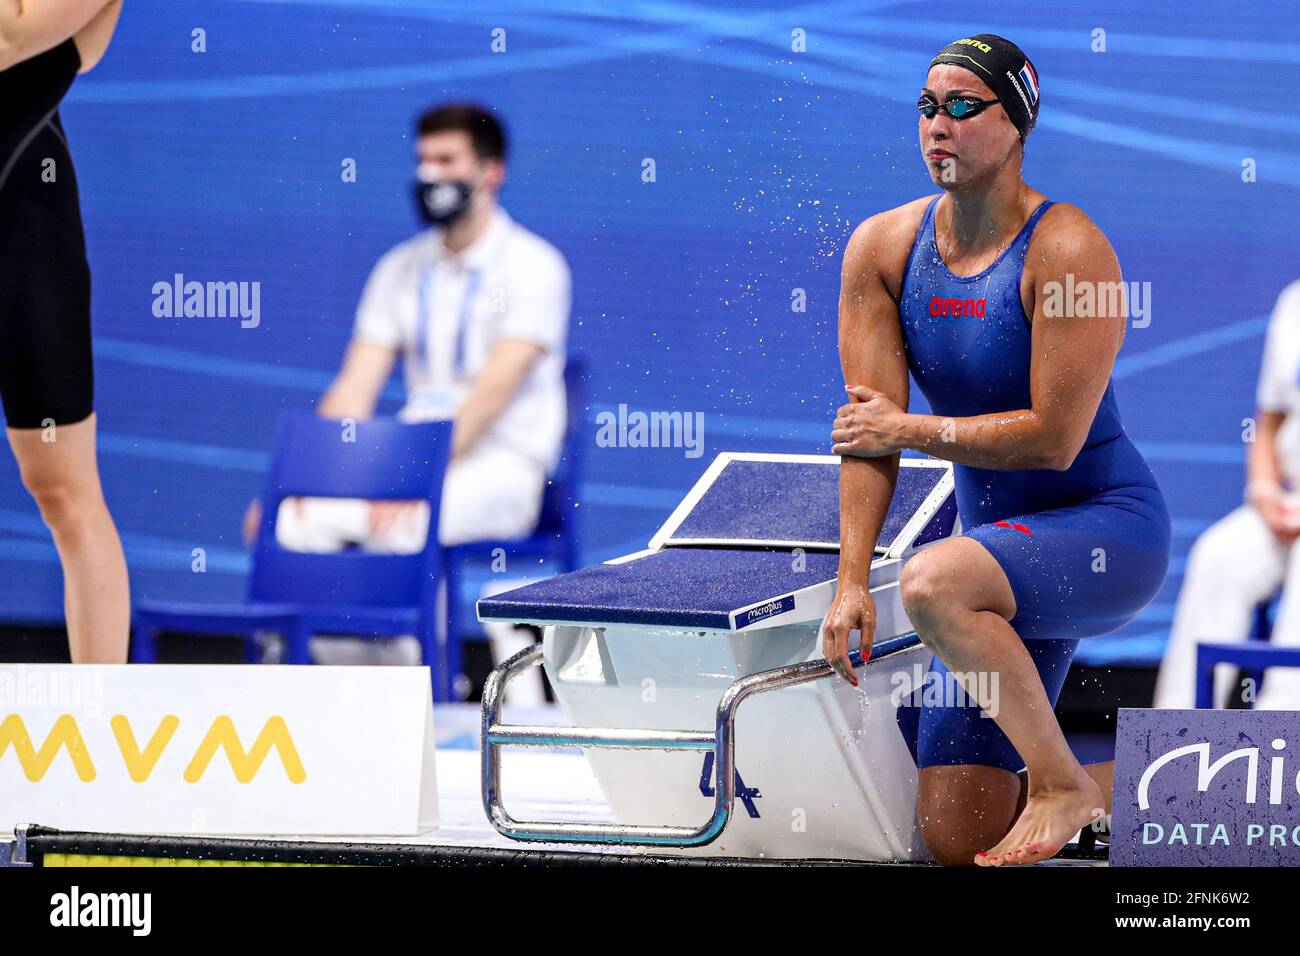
65,735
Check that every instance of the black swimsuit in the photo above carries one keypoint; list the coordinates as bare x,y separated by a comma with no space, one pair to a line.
46,375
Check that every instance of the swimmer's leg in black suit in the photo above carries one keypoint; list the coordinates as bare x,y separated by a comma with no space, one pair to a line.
46,383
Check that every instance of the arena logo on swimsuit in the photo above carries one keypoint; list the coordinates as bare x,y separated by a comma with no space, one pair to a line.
957,307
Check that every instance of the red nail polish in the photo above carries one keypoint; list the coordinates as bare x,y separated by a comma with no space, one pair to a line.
981,854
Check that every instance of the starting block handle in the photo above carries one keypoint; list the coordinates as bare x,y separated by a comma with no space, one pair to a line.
722,743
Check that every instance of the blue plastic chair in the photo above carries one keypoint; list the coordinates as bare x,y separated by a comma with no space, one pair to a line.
1254,657
555,539
350,592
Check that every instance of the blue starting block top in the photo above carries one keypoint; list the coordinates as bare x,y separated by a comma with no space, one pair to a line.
703,588
789,501
726,558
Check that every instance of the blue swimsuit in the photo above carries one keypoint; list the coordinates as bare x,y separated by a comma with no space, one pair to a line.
1085,549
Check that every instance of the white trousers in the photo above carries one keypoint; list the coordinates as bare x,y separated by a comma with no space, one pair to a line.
487,493
1233,566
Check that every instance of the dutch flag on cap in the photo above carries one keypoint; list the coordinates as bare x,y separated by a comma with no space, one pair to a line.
1030,81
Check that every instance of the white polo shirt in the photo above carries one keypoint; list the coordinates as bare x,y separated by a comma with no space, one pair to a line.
446,311
1279,379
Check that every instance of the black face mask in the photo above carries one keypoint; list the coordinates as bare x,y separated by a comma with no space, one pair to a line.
443,201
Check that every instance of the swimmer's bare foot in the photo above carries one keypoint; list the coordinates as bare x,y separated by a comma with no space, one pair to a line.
1049,819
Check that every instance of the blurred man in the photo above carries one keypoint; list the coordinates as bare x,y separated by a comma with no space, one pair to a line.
1241,560
478,307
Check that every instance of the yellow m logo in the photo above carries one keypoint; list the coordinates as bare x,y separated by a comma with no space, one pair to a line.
139,763
64,733
222,734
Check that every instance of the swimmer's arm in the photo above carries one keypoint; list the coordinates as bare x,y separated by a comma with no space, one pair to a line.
1071,359
507,365
355,391
30,27
871,353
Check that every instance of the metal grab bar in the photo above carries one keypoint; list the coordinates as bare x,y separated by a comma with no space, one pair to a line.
722,743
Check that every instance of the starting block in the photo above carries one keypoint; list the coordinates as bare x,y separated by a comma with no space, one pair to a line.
652,654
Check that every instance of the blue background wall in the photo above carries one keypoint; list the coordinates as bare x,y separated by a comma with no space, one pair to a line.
225,165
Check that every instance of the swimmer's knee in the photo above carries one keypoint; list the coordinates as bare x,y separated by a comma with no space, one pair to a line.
916,584
66,502
57,502
924,584
964,810
949,852
954,836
